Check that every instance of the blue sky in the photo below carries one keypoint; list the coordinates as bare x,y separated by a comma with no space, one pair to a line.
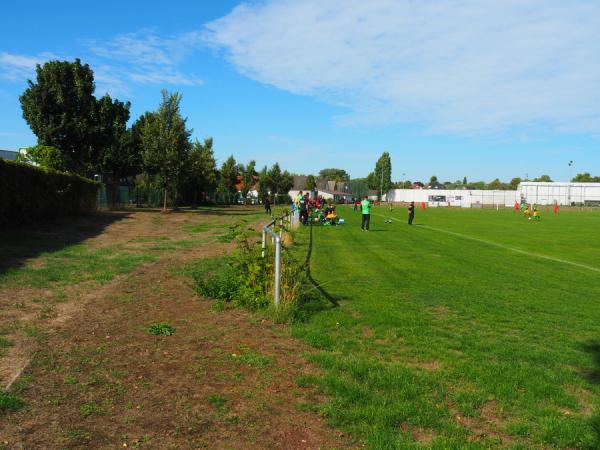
454,88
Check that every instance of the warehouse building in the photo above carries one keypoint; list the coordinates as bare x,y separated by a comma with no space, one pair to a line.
574,194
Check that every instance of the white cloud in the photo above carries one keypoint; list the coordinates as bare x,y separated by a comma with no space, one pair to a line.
15,67
144,57
456,66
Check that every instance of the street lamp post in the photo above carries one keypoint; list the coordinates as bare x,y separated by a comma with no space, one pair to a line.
570,178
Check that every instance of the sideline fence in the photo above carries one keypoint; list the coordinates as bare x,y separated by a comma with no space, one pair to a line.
291,218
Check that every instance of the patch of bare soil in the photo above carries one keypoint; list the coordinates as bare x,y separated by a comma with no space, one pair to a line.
224,379
419,434
490,424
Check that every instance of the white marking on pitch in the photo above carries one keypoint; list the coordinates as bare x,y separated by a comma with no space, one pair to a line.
507,247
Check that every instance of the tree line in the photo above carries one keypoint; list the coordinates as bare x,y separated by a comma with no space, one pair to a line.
82,134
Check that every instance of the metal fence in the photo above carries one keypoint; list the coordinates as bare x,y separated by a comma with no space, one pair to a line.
122,196
290,219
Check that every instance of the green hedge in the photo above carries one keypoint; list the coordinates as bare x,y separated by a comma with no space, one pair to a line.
28,194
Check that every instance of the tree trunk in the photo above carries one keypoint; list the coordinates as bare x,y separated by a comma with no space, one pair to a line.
195,201
165,200
112,189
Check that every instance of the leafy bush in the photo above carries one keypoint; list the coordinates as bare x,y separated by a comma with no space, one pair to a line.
161,329
9,402
29,193
43,156
246,279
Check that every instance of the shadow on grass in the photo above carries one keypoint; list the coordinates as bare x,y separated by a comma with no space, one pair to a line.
316,285
593,348
20,244
593,376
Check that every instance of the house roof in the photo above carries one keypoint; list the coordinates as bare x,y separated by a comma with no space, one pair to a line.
299,183
334,192
8,155
240,184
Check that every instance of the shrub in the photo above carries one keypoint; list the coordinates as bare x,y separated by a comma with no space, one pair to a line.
161,329
246,279
9,402
28,193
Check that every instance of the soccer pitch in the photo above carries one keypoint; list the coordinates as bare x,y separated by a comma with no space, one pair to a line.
470,329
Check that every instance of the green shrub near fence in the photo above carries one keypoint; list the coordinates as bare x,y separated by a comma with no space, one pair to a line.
28,193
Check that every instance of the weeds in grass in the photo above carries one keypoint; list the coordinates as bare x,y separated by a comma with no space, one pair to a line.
253,359
5,343
79,435
233,231
201,227
35,333
161,329
217,400
75,264
9,402
92,409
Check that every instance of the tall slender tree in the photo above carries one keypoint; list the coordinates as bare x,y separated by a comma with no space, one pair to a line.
263,184
228,178
201,169
166,144
248,173
114,152
381,178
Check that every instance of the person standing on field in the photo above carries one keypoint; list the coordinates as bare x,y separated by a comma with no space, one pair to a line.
267,206
304,210
365,206
411,212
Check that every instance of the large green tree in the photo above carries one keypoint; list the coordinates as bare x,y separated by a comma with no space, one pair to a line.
381,178
228,178
115,154
333,174
310,183
514,183
201,169
585,178
286,183
165,141
496,185
274,179
59,108
263,184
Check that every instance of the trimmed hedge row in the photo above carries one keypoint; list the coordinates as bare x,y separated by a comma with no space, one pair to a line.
28,194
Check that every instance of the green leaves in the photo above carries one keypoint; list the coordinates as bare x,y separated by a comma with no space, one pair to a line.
165,141
161,329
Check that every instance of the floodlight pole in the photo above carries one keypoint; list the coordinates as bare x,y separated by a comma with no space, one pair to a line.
381,188
570,178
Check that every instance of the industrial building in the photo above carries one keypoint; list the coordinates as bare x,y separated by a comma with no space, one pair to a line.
575,194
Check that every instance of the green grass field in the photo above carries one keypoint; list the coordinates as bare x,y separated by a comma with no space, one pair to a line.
470,329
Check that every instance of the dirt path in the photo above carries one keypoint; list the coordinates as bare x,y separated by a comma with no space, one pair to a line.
224,379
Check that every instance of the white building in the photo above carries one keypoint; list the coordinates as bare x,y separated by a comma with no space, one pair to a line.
533,192
454,197
560,193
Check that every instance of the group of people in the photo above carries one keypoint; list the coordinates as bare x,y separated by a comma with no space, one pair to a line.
305,205
530,211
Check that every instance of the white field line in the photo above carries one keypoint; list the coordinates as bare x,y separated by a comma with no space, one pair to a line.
508,247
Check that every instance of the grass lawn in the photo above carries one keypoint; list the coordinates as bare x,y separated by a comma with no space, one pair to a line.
471,329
